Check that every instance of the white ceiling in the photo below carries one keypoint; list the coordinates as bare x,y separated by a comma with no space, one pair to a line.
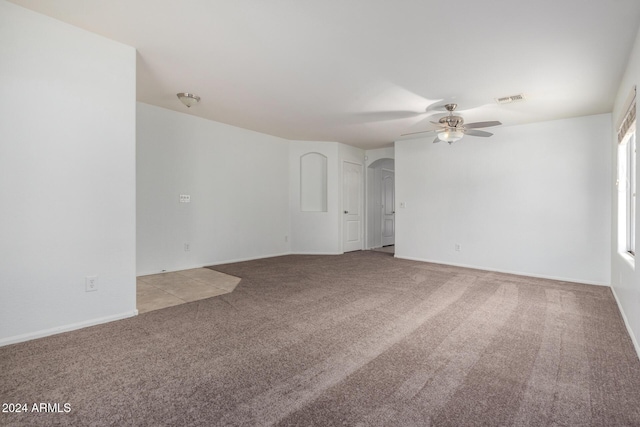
362,72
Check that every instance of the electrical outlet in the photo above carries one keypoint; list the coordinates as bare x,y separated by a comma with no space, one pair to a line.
185,198
458,247
91,283
187,247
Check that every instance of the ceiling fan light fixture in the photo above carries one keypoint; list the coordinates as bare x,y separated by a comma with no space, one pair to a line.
450,135
188,99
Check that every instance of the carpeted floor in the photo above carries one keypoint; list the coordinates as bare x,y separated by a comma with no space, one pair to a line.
361,339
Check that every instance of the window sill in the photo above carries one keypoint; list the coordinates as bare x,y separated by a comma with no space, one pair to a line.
630,259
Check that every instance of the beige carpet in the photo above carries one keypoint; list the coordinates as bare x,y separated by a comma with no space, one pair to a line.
358,339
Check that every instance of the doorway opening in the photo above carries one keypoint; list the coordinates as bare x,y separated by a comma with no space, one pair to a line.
381,205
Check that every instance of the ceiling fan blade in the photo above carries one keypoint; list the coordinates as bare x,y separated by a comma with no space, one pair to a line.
482,124
422,131
436,140
474,132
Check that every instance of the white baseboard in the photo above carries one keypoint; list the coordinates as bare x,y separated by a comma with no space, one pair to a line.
518,273
226,261
231,261
66,328
317,253
626,322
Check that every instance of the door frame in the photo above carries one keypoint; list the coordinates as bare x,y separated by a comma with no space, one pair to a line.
373,197
393,208
362,204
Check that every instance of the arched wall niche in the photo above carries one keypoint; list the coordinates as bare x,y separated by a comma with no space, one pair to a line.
313,182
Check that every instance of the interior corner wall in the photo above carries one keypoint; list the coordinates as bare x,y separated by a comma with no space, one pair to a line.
625,277
67,176
315,232
533,199
238,181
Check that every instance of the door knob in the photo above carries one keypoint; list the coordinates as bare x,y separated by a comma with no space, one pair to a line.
346,211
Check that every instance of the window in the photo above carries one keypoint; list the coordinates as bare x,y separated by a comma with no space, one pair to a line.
627,181
630,211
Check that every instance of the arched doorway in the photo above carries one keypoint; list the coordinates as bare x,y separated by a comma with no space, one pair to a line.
381,204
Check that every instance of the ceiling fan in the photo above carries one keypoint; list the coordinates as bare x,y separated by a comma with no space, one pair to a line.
452,128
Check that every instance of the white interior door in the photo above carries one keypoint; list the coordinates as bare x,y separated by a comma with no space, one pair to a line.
352,206
388,208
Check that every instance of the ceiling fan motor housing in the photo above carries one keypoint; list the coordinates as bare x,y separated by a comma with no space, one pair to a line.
452,121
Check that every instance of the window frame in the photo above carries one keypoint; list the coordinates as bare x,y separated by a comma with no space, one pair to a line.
629,143
626,183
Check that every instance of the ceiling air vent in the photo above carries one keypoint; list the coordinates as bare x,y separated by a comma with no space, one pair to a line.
510,99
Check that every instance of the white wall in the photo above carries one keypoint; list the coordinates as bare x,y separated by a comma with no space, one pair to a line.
67,176
238,181
315,232
625,278
532,199
319,232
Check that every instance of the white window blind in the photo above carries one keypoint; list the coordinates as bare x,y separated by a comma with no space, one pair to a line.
629,118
